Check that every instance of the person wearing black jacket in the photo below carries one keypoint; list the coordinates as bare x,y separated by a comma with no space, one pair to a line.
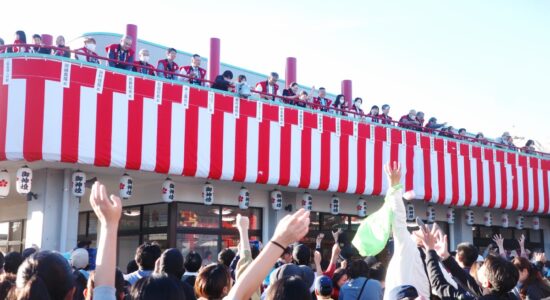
223,82
497,275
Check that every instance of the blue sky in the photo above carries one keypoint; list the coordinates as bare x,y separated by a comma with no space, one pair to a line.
482,65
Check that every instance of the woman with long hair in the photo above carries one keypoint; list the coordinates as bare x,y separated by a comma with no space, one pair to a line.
531,284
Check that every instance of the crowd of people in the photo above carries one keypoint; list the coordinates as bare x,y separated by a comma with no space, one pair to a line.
122,56
420,265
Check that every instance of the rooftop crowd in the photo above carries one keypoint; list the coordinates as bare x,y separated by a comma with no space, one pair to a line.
122,56
419,266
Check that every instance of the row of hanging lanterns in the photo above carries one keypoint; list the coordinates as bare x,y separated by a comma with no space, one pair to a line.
24,177
470,218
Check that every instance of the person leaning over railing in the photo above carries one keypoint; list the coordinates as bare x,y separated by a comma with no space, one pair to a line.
121,54
168,64
143,66
20,38
39,46
291,94
340,105
356,108
87,53
224,82
529,147
242,88
385,117
373,116
269,87
432,125
194,73
321,102
62,50
420,120
409,121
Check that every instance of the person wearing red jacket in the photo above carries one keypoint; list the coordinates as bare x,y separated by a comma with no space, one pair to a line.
87,53
373,114
384,117
20,38
121,54
143,66
168,64
356,108
321,102
269,87
195,74
409,121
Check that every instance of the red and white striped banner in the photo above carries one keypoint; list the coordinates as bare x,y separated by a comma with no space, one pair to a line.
52,112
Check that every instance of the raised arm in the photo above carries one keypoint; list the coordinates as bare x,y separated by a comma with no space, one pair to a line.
290,229
108,211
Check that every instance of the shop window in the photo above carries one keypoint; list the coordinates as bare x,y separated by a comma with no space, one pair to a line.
126,249
12,236
535,236
229,217
155,216
197,215
130,218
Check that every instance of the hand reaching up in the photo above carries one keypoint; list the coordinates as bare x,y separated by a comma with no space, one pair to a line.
393,173
292,228
107,209
317,258
497,238
242,223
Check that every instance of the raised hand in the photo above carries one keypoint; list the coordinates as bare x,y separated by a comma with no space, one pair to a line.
317,257
441,246
497,238
540,257
107,209
242,223
393,173
292,228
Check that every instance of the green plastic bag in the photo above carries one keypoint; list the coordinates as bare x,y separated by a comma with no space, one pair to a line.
374,232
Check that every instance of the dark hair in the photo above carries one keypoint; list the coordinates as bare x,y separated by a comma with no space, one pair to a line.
467,253
212,280
358,98
28,252
461,129
157,287
321,88
479,135
338,274
385,106
228,74
302,255
36,36
146,255
358,268
132,266
47,274
254,252
2,41
534,278
274,74
288,288
120,285
242,77
378,272
196,56
22,36
502,274
1,260
226,256
12,261
171,263
292,84
171,50
7,285
338,100
193,261
529,143
374,106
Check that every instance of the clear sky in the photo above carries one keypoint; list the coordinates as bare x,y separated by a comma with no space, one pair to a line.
482,65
